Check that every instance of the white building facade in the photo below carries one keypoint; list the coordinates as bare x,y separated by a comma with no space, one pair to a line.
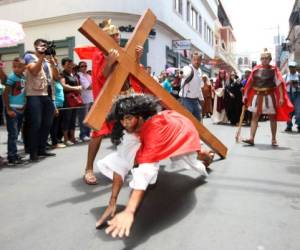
59,21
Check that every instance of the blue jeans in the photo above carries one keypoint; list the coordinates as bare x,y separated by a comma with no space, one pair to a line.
192,105
84,130
40,116
14,126
295,99
56,128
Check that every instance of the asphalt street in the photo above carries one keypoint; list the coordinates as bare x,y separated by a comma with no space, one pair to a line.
250,201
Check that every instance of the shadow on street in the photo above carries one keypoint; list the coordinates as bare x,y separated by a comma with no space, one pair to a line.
171,200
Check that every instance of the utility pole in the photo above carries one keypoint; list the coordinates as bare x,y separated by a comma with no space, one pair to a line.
278,35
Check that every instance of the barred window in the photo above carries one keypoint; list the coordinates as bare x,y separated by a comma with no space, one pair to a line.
178,6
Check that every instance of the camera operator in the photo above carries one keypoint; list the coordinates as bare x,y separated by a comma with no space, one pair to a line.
41,71
190,93
293,89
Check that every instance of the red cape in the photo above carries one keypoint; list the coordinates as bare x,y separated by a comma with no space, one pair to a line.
85,53
282,112
98,81
165,135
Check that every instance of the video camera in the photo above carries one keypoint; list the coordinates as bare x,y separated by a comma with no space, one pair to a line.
50,51
48,48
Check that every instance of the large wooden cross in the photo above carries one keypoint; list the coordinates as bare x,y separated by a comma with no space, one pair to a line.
127,64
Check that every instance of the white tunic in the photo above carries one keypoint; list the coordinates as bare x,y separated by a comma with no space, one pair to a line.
122,161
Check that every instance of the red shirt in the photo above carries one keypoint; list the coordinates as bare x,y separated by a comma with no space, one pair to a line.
165,135
98,81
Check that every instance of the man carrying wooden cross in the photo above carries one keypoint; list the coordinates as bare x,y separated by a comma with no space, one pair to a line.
145,135
102,66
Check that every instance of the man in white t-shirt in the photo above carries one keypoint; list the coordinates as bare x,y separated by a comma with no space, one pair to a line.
293,89
190,94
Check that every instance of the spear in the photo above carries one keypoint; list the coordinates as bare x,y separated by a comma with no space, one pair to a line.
238,132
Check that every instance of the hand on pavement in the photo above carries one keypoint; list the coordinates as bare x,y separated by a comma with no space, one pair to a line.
109,212
120,225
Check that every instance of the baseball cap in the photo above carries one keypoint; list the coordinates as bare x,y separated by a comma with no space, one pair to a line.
292,64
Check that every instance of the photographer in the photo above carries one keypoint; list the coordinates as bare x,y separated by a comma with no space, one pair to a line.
41,71
293,89
190,93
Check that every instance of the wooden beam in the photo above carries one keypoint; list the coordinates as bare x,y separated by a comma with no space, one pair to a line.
102,105
141,32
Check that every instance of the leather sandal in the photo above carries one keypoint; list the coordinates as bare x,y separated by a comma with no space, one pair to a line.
89,178
274,143
249,142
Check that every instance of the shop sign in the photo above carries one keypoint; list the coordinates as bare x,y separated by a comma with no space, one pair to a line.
181,44
129,28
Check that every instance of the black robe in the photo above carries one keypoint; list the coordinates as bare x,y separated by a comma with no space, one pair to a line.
233,104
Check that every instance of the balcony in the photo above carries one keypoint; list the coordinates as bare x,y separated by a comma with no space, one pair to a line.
226,59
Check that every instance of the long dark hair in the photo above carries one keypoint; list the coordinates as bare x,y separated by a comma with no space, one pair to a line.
139,105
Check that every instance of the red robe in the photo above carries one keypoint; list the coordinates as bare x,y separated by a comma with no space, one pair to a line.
165,135
98,81
282,112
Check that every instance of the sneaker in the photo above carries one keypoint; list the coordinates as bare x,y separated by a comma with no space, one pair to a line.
12,162
69,143
59,145
86,139
288,129
46,154
19,157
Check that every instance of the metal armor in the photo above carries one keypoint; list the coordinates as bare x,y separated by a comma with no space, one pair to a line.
264,79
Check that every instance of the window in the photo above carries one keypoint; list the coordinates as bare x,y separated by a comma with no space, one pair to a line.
211,42
200,25
208,34
240,61
188,11
192,16
178,6
194,20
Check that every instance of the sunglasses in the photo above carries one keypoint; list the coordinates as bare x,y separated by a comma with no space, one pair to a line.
83,66
264,58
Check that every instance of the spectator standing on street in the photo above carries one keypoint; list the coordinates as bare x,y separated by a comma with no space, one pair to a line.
219,113
14,99
56,128
247,116
292,80
167,85
191,96
87,97
41,71
3,78
233,99
207,94
71,85
1,105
